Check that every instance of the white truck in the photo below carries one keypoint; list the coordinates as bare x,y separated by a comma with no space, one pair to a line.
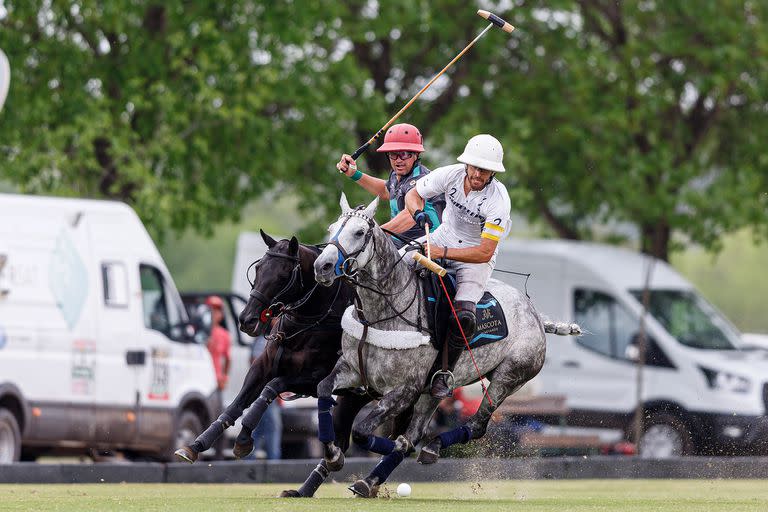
702,391
96,348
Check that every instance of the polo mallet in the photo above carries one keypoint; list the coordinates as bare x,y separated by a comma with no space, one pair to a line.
494,20
426,261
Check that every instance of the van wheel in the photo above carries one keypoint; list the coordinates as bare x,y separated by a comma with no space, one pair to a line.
664,436
10,438
188,427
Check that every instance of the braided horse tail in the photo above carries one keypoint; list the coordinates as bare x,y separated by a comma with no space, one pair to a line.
561,328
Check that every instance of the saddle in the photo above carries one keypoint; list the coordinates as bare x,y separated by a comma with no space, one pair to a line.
491,323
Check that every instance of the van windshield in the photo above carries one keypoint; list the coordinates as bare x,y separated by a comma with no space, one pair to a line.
690,319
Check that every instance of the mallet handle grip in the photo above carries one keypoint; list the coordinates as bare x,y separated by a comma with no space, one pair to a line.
503,25
429,264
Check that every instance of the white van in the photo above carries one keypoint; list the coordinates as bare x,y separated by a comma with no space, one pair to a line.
95,346
701,391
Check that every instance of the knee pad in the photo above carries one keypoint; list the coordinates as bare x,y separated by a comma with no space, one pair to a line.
466,312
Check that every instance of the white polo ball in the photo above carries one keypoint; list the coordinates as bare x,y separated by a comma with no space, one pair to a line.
404,490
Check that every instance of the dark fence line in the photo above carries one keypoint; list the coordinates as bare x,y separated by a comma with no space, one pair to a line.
292,471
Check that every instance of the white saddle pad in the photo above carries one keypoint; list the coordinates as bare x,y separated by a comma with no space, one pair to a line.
398,340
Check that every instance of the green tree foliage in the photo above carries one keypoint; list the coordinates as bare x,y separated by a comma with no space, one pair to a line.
646,114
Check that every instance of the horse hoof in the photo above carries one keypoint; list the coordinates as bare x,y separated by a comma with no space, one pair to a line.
290,493
336,462
402,444
430,453
186,454
362,488
242,450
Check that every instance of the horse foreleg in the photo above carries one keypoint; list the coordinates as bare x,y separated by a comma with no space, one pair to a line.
407,437
342,376
252,386
343,416
392,404
244,442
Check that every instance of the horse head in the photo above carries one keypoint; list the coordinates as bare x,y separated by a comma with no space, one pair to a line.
277,281
351,244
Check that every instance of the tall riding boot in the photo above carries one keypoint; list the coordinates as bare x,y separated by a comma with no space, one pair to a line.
443,380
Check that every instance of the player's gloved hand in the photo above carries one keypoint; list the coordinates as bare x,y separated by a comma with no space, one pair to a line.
421,219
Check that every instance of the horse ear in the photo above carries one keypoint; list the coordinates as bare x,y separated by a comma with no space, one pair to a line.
267,239
370,210
293,246
344,203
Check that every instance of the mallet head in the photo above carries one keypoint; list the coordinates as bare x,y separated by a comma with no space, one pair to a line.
503,25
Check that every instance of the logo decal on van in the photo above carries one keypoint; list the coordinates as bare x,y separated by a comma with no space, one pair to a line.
158,387
83,367
68,279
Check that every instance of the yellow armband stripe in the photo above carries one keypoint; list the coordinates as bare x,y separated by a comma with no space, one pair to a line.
488,225
490,236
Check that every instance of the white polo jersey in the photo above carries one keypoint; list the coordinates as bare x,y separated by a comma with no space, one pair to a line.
467,218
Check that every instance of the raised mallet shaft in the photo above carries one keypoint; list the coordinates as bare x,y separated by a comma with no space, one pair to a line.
495,20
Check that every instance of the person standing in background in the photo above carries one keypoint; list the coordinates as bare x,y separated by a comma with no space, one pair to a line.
219,344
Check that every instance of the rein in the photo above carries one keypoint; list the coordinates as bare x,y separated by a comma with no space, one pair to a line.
285,310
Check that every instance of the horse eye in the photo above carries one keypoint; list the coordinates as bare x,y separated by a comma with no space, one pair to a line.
359,233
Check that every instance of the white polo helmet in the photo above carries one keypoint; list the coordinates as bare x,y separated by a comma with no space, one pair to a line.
484,151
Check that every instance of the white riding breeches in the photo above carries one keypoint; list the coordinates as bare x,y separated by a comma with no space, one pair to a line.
471,278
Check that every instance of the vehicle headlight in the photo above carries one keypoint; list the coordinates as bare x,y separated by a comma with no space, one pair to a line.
725,381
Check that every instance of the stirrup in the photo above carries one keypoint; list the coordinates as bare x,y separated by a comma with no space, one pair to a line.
450,379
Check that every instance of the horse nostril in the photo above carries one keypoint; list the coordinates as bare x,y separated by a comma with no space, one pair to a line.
327,267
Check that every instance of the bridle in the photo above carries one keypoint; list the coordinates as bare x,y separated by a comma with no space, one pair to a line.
346,263
279,301
346,268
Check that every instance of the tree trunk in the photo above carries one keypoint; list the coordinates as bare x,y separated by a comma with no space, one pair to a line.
655,239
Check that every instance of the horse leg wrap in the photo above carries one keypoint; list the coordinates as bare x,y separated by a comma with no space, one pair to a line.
375,444
325,431
386,466
212,433
458,435
254,414
314,480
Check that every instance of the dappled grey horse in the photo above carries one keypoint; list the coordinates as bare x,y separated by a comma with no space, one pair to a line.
396,356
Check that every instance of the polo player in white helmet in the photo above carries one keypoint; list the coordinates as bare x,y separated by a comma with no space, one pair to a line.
476,217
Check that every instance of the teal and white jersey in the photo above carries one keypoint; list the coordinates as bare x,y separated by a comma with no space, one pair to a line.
397,189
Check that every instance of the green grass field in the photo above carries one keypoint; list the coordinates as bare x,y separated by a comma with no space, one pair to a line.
528,496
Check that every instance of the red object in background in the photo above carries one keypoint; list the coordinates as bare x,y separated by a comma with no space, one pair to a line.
214,301
469,405
620,448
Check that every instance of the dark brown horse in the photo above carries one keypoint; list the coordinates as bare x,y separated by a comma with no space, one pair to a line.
302,348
